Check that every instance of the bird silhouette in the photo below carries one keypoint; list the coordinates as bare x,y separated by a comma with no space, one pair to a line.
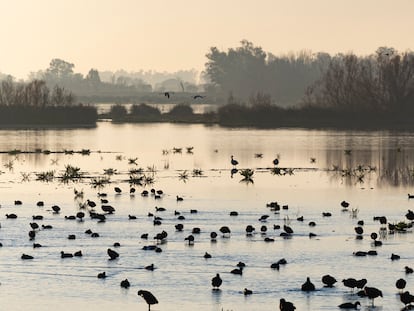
400,284
406,298
247,292
112,254
148,297
349,305
372,293
216,282
125,283
286,305
328,280
308,286
198,96
233,161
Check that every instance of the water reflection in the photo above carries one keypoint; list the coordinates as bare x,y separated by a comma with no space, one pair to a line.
362,159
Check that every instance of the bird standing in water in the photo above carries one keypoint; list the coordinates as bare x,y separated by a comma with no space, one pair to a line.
233,161
148,297
216,282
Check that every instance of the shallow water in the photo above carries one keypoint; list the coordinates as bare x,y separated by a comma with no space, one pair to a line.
375,177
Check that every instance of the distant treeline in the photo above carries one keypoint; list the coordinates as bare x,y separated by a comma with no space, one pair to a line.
35,103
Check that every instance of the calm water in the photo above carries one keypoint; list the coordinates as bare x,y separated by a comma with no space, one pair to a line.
375,176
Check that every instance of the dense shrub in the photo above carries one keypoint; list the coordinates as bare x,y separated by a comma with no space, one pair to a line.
181,110
118,111
145,110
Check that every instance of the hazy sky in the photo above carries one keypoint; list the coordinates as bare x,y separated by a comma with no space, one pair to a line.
176,34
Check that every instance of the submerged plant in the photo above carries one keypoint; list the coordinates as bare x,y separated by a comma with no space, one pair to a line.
135,179
72,173
183,175
197,172
100,182
109,171
247,175
25,176
132,161
9,165
85,152
45,176
136,171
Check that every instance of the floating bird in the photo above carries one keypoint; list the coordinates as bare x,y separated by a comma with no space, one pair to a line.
112,254
350,305
308,286
148,297
216,281
328,280
247,292
213,236
286,305
91,203
225,230
275,161
65,255
207,255
167,94
80,215
395,256
233,161
238,271
25,257
11,216
344,204
125,283
101,275
408,270
179,199
56,209
118,190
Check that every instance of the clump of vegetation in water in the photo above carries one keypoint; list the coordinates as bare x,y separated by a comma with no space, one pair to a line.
99,182
197,172
45,176
247,175
72,173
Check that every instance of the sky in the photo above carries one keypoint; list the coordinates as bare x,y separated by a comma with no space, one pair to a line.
169,35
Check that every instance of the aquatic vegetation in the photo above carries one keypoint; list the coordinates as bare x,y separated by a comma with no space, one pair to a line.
183,175
68,151
99,182
78,193
148,180
136,171
132,161
165,151
47,176
85,152
118,157
25,176
197,172
72,173
177,150
14,152
190,149
247,175
9,165
135,179
282,171
152,169
110,171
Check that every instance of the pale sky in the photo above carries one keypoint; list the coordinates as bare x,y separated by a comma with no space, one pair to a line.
176,34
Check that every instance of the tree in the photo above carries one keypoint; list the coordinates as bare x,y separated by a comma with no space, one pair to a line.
60,68
93,76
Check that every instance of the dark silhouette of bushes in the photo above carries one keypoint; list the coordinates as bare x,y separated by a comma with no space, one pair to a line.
181,110
144,110
118,111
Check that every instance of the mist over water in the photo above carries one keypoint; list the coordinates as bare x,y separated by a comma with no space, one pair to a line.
371,170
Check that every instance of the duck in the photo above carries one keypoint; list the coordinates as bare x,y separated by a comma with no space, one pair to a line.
308,286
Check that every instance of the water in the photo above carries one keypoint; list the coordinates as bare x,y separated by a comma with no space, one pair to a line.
375,177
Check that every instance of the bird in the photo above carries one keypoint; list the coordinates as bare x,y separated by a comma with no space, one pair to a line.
216,282
65,255
400,284
117,190
308,286
148,297
247,292
167,94
238,271
372,293
207,255
349,305
179,198
328,280
198,96
190,239
56,209
350,282
233,161
406,298
286,305
213,236
80,215
101,275
408,270
125,283
344,204
112,254
275,161
25,257
225,230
